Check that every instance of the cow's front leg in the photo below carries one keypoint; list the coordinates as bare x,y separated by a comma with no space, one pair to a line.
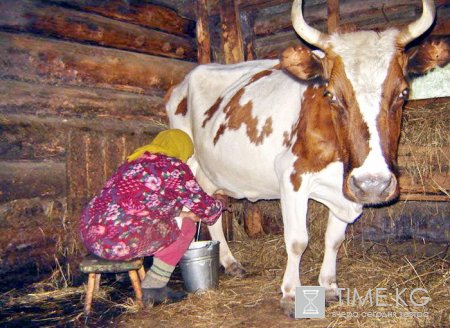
334,237
296,240
231,265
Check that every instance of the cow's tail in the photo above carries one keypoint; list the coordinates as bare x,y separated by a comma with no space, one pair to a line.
177,107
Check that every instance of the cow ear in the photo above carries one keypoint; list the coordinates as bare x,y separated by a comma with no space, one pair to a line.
302,63
431,54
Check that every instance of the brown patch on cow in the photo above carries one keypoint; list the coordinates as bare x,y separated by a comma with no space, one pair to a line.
301,62
277,67
211,111
316,143
219,132
259,75
182,107
389,119
287,138
237,115
351,130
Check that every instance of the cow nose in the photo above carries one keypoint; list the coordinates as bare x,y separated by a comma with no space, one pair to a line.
373,188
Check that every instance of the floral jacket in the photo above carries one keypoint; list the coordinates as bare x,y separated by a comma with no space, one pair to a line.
133,215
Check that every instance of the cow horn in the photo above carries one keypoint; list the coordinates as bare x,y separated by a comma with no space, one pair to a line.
306,32
419,26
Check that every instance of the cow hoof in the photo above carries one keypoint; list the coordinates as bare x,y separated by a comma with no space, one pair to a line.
287,304
331,295
235,269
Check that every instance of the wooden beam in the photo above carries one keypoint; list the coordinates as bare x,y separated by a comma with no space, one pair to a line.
333,15
29,16
203,36
24,98
136,12
45,61
30,179
248,37
231,32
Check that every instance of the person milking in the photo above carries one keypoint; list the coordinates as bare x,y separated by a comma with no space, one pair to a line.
134,215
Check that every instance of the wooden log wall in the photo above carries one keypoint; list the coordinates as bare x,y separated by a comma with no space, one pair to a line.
81,86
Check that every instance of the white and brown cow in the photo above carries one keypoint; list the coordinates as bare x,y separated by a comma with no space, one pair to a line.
322,126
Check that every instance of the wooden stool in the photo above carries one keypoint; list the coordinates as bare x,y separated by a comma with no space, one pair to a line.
95,266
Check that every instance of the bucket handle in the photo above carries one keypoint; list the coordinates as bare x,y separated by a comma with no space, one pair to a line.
197,235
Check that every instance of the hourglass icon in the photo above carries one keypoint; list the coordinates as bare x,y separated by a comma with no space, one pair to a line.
310,295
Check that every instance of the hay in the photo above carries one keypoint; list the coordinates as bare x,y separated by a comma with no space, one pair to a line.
254,301
425,144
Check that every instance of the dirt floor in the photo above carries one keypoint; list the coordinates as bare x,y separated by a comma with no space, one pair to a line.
254,301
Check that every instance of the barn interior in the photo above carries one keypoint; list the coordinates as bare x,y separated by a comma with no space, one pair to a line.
82,85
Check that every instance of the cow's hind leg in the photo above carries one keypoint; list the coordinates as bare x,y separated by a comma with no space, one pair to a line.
334,237
227,260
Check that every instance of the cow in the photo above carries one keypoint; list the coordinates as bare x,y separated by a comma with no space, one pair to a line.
322,124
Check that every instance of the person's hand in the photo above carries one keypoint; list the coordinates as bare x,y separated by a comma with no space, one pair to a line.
189,215
225,201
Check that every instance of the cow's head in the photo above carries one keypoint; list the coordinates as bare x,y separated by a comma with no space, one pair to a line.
365,77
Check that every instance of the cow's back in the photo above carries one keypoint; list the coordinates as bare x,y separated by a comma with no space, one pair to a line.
239,116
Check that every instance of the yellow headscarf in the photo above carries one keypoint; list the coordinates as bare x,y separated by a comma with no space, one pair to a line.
173,143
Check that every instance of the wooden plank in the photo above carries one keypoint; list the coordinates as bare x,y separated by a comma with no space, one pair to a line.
31,16
41,60
203,36
114,148
30,179
96,164
137,12
23,98
77,186
231,32
333,15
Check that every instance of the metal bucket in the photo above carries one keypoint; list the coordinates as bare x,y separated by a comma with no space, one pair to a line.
200,265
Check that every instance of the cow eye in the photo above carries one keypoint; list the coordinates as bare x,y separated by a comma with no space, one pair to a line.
405,94
329,95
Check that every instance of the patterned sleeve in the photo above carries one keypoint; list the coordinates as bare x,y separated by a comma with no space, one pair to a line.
193,197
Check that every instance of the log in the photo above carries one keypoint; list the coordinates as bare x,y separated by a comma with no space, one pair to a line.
272,46
45,61
23,98
231,33
136,12
367,14
31,142
333,16
29,16
31,237
248,36
30,179
203,36
253,220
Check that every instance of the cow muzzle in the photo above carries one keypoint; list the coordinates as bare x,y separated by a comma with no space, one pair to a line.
372,189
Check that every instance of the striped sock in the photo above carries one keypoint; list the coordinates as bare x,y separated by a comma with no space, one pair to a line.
158,275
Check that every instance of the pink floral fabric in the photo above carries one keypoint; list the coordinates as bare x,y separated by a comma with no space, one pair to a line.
133,215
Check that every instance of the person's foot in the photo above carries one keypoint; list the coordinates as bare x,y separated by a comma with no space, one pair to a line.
165,294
